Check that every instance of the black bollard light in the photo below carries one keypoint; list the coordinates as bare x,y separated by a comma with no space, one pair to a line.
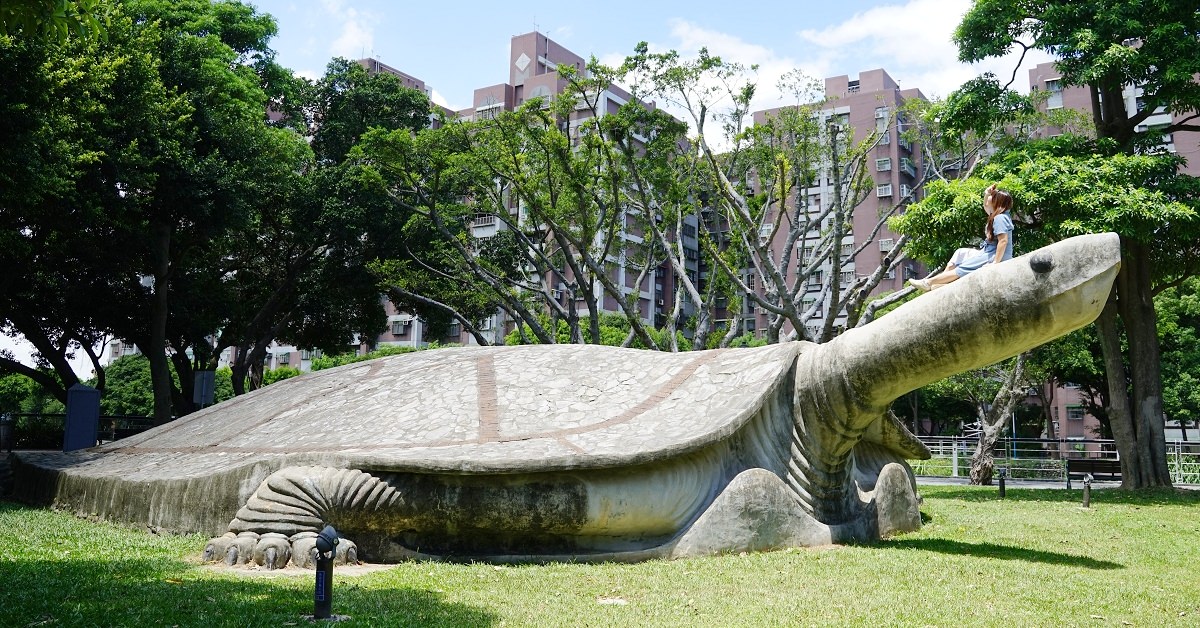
1003,474
327,542
1087,490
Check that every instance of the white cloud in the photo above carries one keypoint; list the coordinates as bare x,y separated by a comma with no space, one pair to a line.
913,42
689,38
356,39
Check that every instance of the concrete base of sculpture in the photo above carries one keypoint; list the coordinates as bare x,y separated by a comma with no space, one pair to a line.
578,452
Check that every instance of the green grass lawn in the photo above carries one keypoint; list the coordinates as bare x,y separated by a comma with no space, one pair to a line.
1033,559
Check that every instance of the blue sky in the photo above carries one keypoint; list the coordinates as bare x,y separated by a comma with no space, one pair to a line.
458,47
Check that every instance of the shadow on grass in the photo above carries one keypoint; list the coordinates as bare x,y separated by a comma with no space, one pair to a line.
1003,552
169,592
1145,497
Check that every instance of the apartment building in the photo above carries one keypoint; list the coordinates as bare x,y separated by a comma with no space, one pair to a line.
1046,78
861,106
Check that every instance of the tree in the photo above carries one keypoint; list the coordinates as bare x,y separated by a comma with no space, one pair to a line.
1106,46
1066,187
319,223
198,186
760,178
76,116
993,394
563,163
1179,332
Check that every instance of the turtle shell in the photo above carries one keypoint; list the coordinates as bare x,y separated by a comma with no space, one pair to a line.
469,410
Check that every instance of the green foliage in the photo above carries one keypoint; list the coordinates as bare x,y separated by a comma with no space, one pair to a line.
1061,188
1179,334
748,340
348,100
332,361
55,20
614,329
981,105
279,374
1093,43
19,394
127,387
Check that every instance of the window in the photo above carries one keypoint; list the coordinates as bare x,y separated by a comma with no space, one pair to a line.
907,167
1054,86
750,282
399,328
815,280
847,277
884,190
689,231
905,191
750,324
885,138
283,358
847,249
1074,413
883,165
886,244
881,112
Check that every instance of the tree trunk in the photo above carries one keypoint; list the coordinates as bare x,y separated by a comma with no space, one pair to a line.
1120,421
982,461
156,352
992,422
1046,392
1136,305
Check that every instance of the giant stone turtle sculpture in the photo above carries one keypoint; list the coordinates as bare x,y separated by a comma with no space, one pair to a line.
579,452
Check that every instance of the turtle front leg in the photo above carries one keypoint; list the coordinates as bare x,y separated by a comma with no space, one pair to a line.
281,519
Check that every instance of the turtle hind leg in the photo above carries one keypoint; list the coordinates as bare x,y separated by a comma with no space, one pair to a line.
281,519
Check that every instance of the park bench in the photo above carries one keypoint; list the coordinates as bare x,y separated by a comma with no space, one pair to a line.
1107,467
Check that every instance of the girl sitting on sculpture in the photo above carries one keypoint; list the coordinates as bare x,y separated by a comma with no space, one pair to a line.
997,246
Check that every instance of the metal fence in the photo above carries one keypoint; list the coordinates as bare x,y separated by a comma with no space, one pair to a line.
1044,459
45,431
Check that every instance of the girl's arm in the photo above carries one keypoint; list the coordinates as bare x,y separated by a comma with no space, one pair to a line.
1001,247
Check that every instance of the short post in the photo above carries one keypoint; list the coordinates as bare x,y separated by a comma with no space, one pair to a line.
954,455
327,542
1003,474
1087,490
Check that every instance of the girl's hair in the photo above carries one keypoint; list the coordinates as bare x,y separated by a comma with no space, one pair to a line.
1001,202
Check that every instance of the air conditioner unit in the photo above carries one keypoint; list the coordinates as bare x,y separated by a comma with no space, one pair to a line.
880,113
556,294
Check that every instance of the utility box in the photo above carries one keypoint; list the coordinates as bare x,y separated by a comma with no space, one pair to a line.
83,418
204,388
